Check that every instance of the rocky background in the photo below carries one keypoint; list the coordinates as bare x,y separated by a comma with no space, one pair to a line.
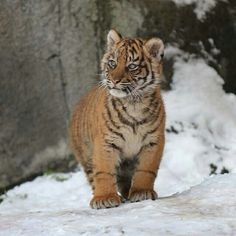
50,53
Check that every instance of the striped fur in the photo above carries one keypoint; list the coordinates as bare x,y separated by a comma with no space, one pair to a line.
117,129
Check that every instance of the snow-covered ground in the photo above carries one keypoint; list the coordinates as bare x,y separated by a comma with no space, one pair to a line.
49,207
200,139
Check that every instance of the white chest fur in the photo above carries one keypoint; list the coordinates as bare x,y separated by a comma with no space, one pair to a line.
133,144
133,135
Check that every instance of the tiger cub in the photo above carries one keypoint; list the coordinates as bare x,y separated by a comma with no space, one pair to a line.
117,129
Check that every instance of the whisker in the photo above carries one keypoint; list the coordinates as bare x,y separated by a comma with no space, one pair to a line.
102,84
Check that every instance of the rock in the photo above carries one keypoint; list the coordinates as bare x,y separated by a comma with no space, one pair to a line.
213,37
50,55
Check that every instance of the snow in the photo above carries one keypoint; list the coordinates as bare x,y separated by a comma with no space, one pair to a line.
200,135
201,6
60,208
204,118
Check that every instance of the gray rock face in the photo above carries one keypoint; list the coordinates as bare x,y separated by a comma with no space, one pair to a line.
32,100
50,55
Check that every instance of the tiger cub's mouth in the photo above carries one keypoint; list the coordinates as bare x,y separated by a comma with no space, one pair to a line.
127,91
120,92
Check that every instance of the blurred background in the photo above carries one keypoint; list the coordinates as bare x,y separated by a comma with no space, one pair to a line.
50,53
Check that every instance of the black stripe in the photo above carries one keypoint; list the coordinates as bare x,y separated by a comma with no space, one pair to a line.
88,171
121,118
134,49
146,69
153,102
151,144
91,180
102,173
114,132
135,72
147,171
126,112
153,97
154,129
135,43
138,43
147,84
142,57
153,109
110,116
114,146
146,120
132,53
142,78
157,114
152,117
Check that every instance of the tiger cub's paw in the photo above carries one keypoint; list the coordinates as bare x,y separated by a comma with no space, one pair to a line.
108,201
143,194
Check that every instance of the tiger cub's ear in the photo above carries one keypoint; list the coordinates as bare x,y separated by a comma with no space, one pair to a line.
155,48
113,37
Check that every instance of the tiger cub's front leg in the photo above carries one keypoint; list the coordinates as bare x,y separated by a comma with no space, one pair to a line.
104,178
146,172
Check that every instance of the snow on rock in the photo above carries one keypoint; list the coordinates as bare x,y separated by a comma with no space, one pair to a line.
51,207
201,6
201,122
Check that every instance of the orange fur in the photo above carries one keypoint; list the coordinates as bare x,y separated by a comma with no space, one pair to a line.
117,132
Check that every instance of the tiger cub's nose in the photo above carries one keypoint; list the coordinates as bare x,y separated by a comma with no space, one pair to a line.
115,80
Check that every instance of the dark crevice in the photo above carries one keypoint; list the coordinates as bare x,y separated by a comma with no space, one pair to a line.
56,166
53,56
60,65
98,37
16,183
102,26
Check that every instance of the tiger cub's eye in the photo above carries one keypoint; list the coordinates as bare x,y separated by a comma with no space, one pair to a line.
132,66
112,63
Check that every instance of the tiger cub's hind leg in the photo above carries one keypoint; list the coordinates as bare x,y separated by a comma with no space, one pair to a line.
124,183
88,169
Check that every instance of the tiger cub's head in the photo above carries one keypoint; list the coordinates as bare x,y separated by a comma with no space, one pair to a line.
131,67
